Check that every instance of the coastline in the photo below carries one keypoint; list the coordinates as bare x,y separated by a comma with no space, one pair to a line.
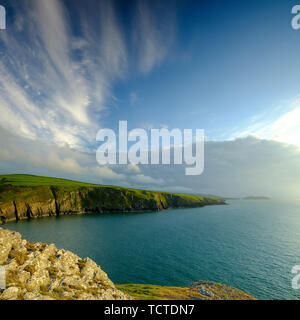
25,201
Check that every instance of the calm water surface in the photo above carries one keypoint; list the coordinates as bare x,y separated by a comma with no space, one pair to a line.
250,245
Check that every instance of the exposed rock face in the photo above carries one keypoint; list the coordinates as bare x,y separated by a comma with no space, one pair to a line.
19,203
217,291
37,271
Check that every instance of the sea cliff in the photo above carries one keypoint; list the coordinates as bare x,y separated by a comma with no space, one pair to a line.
21,201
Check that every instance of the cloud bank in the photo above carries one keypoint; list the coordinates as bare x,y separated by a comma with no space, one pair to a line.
242,167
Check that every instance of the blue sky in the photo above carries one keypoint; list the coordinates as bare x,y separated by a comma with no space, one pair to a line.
232,62
69,68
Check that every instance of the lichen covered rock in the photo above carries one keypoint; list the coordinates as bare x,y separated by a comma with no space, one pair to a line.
37,271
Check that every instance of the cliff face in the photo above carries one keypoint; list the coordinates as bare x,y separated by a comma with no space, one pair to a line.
37,271
20,202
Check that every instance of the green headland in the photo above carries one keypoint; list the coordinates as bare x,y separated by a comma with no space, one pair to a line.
28,196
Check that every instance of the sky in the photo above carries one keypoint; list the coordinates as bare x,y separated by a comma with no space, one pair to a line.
71,67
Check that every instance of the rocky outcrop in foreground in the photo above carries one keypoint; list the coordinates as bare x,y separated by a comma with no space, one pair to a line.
37,271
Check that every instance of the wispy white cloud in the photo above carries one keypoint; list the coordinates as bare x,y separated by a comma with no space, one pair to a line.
44,91
152,37
133,98
55,84
114,51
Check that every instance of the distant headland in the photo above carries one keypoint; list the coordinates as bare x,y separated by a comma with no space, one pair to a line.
256,198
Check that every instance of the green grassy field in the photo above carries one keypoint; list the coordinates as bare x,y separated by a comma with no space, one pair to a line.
153,292
35,181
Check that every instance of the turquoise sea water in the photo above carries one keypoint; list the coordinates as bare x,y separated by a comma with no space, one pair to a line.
250,245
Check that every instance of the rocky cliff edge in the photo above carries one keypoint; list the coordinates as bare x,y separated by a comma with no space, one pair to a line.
37,271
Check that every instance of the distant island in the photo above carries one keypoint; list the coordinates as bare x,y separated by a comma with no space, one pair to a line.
256,198
27,196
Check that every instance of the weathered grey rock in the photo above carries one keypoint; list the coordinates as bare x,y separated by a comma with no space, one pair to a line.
36,296
8,239
40,278
91,271
23,277
5,248
66,262
36,271
50,250
74,281
11,293
21,247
